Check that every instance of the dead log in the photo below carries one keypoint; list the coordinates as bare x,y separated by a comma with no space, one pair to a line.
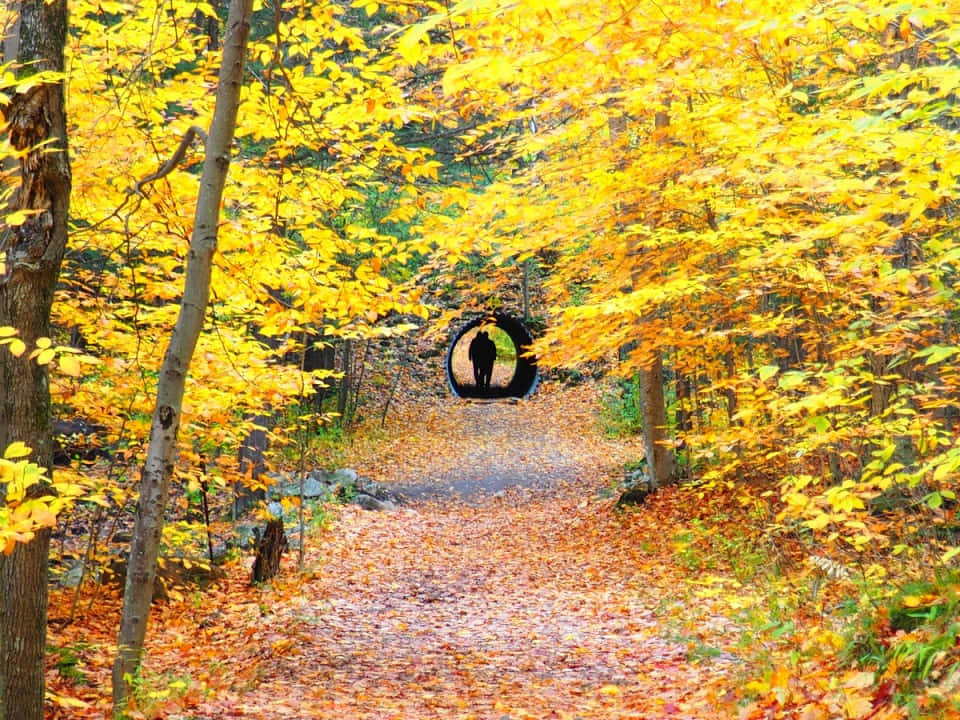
270,547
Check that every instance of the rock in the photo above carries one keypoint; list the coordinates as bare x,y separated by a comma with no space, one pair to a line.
221,550
277,478
275,509
369,502
77,438
344,476
634,495
312,488
344,483
246,537
171,573
71,578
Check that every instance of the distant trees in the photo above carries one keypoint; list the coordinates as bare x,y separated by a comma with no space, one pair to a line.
786,244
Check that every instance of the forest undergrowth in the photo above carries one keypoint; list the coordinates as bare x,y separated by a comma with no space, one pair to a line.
515,588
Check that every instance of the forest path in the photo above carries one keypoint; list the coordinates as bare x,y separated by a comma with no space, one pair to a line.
516,592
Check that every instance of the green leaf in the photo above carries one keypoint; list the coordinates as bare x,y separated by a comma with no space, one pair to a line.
768,371
950,554
793,379
821,423
937,353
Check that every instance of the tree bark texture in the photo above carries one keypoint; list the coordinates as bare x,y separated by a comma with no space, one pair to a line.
30,259
656,438
270,549
162,451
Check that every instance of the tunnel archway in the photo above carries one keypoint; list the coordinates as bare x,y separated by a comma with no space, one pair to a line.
513,374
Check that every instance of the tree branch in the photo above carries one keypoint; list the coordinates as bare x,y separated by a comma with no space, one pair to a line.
165,169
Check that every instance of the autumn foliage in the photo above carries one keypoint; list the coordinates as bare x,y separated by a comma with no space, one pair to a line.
776,223
761,197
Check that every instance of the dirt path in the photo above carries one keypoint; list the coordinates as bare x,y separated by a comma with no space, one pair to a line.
474,449
527,600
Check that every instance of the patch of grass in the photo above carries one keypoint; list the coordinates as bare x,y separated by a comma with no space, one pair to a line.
69,663
621,412
320,517
914,630
697,650
157,694
690,553
506,350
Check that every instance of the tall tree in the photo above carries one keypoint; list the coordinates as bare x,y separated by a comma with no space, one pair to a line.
161,455
32,244
796,220
653,405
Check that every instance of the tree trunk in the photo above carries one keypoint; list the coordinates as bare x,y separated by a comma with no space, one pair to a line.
345,382
29,266
270,549
656,438
161,454
653,406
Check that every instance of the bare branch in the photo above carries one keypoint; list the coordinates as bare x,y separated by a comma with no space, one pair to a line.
167,168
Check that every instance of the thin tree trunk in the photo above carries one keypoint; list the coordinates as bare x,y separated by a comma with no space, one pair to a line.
161,454
526,290
345,382
29,266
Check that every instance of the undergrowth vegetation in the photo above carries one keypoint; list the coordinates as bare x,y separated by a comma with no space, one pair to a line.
829,628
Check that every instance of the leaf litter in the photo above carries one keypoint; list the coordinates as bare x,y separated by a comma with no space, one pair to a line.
519,593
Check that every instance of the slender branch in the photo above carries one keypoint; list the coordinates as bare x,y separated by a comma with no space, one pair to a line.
168,167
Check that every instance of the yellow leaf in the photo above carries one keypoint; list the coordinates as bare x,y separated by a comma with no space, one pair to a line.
18,217
65,701
69,365
859,680
819,522
780,677
16,449
409,43
43,516
45,356
17,347
758,687
858,707
43,342
912,601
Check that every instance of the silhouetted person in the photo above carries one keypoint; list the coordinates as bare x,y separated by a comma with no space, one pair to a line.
483,353
474,355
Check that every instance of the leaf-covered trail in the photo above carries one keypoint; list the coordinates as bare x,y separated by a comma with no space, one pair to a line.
516,603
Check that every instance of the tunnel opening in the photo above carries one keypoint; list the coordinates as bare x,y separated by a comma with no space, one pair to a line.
512,374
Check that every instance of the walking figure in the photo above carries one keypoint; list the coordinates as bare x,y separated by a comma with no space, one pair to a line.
483,354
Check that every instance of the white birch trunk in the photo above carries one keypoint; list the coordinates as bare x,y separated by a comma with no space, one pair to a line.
162,452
